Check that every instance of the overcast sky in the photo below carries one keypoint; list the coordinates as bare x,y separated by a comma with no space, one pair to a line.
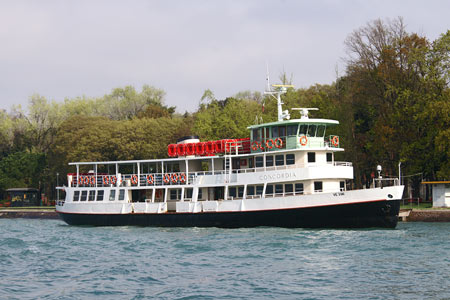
62,49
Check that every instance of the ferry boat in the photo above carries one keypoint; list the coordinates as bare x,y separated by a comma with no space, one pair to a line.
284,174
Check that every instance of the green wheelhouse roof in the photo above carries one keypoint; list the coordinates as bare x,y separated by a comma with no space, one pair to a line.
326,122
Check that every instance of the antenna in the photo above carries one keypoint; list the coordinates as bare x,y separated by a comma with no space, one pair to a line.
304,111
267,78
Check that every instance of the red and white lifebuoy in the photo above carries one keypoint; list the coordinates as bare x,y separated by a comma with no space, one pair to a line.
166,178
303,140
150,179
279,143
182,177
335,141
134,179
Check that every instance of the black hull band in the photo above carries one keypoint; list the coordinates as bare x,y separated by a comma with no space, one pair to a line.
356,215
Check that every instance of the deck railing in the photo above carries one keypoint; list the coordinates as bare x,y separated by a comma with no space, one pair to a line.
175,178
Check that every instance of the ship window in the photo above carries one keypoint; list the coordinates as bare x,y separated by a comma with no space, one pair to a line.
299,188
259,189
329,157
240,191
200,194
312,130
255,134
250,190
91,195
269,189
188,194
112,195
269,161
76,195
250,162
311,157
342,185
100,195
278,189
279,160
275,132
292,130
318,186
282,131
288,189
83,195
121,195
259,161
290,159
320,130
303,129
232,191
173,194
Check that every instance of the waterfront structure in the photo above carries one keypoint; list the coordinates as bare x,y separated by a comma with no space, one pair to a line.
23,197
440,191
285,174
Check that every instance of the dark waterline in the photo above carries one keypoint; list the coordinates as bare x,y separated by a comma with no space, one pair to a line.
48,259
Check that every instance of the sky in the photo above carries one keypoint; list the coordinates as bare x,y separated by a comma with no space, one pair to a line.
66,49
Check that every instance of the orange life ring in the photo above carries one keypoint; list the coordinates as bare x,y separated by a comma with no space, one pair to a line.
166,178
182,177
303,140
134,179
335,141
105,180
255,145
278,143
81,181
113,180
271,144
174,178
92,181
150,179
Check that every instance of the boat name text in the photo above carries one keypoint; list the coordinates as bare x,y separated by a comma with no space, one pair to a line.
278,176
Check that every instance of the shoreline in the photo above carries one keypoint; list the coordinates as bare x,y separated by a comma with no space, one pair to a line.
406,215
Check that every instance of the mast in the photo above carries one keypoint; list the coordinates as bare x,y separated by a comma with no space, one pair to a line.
278,90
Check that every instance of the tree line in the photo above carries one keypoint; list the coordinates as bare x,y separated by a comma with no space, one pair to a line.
393,104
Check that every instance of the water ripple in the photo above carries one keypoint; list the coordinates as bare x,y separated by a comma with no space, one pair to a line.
47,259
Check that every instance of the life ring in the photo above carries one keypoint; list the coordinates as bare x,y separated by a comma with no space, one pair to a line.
335,141
255,145
278,143
303,140
271,144
134,179
92,180
174,178
105,180
182,177
113,180
81,181
150,179
166,178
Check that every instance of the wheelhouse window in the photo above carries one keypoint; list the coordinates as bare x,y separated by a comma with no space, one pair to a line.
112,195
121,195
83,195
275,132
311,157
100,195
320,131
290,159
299,188
329,157
282,131
292,130
255,134
303,130
91,195
269,161
279,160
318,186
312,130
76,195
259,161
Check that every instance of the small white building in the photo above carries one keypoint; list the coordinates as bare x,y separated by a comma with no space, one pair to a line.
440,192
